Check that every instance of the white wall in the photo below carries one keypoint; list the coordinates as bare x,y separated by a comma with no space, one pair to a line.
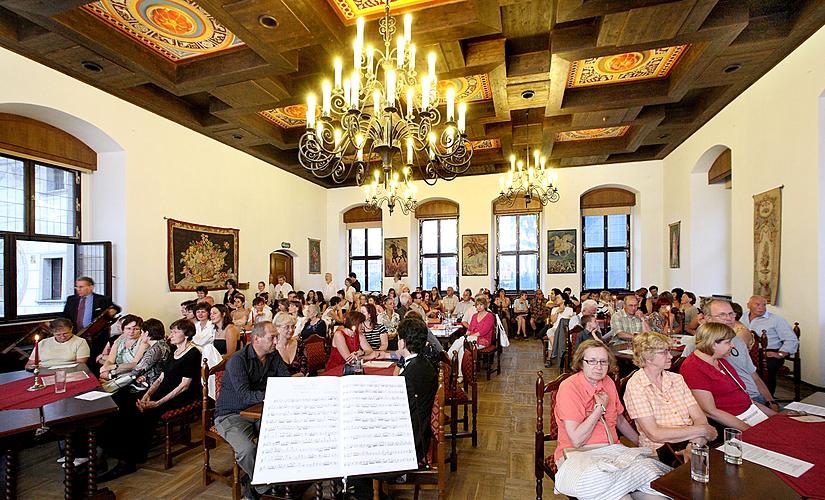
775,132
165,170
475,195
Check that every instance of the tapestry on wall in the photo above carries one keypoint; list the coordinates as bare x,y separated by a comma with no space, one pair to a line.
395,256
474,254
767,235
561,251
314,256
675,244
200,255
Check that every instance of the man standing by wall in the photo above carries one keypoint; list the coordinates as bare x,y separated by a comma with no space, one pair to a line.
82,308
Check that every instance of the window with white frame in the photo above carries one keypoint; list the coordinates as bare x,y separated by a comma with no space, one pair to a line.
606,252
366,247
517,252
438,242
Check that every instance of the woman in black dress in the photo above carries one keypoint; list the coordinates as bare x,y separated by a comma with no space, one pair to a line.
129,432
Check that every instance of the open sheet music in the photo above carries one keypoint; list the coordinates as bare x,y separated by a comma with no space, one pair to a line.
328,427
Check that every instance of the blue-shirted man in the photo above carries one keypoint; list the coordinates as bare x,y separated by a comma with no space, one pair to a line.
782,341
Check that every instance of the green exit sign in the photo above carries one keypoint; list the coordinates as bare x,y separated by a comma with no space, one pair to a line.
284,244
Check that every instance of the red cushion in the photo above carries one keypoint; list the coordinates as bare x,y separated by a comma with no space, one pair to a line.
467,367
195,405
458,395
489,348
551,463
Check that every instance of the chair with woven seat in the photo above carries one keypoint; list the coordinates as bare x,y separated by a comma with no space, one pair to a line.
183,418
316,355
795,371
465,394
546,465
489,358
211,437
432,474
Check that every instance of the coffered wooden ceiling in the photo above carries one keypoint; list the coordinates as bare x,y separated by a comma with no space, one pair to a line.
591,81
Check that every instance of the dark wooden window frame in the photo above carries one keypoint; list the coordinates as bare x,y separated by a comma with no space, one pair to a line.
366,258
438,255
605,250
517,252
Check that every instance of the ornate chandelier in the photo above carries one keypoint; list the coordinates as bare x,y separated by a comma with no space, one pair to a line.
392,192
363,118
524,181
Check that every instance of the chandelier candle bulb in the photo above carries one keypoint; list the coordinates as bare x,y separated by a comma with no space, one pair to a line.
338,69
336,134
347,83
399,53
359,155
356,54
319,131
312,104
501,182
431,66
370,58
376,102
359,31
462,114
391,88
536,154
512,163
355,90
409,153
412,57
542,161
410,97
425,93
408,27
450,103
327,97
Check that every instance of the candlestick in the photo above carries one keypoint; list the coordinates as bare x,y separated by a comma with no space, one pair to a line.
338,69
391,88
409,150
408,27
412,56
462,114
425,93
370,58
36,349
359,31
410,97
450,103
399,53
326,89
376,102
311,105
355,89
431,65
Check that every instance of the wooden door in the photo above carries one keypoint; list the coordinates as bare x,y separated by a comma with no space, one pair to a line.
280,263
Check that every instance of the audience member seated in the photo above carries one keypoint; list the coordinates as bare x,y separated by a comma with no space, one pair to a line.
260,312
418,305
592,463
128,434
782,341
127,350
521,307
150,366
449,301
374,332
349,342
334,315
433,301
62,347
244,385
660,320
606,307
262,292
204,329
628,322
404,303
240,314
296,310
590,330
687,303
714,382
589,307
282,289
288,344
539,313
203,296
229,295
660,402
742,331
227,335
480,330
314,325
389,318
501,306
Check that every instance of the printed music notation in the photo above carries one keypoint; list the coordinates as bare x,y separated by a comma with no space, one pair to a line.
323,427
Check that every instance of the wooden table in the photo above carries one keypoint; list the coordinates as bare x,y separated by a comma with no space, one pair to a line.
816,399
748,480
63,417
254,411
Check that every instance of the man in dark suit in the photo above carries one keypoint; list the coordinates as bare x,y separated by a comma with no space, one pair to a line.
82,308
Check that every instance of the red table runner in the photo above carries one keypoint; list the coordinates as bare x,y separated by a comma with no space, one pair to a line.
16,397
368,370
801,440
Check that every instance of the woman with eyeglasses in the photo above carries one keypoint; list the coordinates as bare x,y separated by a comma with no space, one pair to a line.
660,402
588,412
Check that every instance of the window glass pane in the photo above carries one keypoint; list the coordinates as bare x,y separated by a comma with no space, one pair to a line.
429,272
359,267
593,270
12,195
617,270
54,201
2,277
449,272
375,245
527,270
449,238
593,231
429,236
616,231
91,262
507,272
373,283
507,233
528,235
357,245
45,276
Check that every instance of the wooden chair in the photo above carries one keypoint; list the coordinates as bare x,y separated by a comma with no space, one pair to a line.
570,347
432,474
462,394
489,358
210,434
676,364
762,358
546,465
182,418
316,354
795,371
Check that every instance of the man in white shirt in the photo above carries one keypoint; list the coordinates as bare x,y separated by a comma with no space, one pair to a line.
329,287
465,304
450,301
62,347
283,288
589,308
349,292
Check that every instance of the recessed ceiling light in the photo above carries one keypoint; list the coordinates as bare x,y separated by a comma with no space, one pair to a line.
664,136
732,68
528,94
91,66
237,137
268,21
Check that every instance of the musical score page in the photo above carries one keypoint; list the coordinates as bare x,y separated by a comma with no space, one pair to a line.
299,437
376,431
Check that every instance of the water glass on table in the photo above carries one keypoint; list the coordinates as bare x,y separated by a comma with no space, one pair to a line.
60,381
699,463
733,446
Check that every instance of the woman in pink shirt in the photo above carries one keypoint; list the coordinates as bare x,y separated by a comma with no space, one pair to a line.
480,330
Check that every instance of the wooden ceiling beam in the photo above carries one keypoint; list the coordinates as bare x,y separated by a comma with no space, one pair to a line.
575,10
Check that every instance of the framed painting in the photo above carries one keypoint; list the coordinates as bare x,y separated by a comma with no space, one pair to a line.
675,244
475,252
561,251
314,254
200,255
395,256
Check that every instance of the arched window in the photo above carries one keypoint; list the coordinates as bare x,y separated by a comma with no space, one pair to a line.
517,245
438,244
606,238
365,245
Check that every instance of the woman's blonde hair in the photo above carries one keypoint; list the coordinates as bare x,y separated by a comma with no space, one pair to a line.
710,334
482,301
578,356
645,344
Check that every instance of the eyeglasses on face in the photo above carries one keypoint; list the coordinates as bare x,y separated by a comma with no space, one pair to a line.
725,315
594,362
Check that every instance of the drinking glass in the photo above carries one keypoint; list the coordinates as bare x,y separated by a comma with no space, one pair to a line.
733,446
359,367
699,464
60,381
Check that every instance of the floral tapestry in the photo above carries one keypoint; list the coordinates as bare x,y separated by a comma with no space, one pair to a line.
200,255
767,235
